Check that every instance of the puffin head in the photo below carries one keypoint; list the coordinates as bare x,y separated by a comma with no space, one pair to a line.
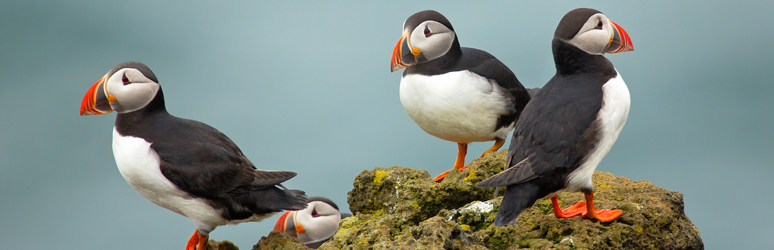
313,225
427,35
127,87
592,32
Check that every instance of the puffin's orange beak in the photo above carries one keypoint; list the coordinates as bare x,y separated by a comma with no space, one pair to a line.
620,41
97,101
402,55
285,224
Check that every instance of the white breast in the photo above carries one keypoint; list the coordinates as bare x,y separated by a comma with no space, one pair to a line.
457,106
139,164
611,117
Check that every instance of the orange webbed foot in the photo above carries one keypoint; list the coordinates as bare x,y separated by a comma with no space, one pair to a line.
576,209
604,215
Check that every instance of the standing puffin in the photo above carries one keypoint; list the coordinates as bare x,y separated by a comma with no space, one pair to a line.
183,165
457,94
571,124
313,225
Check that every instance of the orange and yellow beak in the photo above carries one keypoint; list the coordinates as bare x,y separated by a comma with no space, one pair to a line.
403,55
620,41
97,100
286,224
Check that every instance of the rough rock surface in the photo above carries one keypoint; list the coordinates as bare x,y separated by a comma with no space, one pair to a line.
402,208
279,241
221,245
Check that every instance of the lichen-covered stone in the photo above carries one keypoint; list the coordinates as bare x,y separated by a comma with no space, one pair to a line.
279,241
221,245
402,208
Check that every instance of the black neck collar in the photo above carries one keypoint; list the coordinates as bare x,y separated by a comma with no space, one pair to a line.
572,60
126,122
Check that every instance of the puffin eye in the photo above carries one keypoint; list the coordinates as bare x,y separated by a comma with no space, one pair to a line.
427,32
314,213
125,79
599,25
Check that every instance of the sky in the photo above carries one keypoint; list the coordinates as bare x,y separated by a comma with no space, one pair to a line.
305,87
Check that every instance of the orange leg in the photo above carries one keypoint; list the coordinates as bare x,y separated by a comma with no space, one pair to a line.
605,215
191,245
195,239
572,211
462,150
498,144
203,242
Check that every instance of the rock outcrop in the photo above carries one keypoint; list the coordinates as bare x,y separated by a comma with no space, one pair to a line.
402,208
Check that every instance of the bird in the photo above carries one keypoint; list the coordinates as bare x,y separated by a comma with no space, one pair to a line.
455,93
313,225
571,124
183,165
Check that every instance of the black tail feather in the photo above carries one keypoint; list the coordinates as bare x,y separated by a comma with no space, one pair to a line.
517,198
263,201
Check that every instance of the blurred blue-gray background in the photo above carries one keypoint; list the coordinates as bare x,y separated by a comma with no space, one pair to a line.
306,87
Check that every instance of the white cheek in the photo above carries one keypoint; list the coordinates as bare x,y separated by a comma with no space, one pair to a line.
592,42
440,44
133,96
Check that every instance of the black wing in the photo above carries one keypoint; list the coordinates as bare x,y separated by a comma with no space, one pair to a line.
551,133
204,162
486,65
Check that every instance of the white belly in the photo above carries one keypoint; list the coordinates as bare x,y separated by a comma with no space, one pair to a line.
139,164
458,106
612,116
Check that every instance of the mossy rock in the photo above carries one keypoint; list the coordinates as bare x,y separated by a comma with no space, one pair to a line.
221,245
279,241
402,208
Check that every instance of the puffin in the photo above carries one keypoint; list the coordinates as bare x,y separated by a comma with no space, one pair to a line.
570,124
455,93
183,165
313,225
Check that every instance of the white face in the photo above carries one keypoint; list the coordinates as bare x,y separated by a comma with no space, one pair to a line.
319,220
595,35
432,38
131,89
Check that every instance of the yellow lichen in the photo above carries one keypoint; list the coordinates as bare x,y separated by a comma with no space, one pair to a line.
605,186
471,175
379,177
618,197
465,227
638,229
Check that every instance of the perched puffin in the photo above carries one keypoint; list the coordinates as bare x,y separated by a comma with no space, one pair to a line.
571,124
313,225
457,94
183,165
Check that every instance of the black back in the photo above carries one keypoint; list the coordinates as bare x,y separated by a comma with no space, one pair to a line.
204,162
